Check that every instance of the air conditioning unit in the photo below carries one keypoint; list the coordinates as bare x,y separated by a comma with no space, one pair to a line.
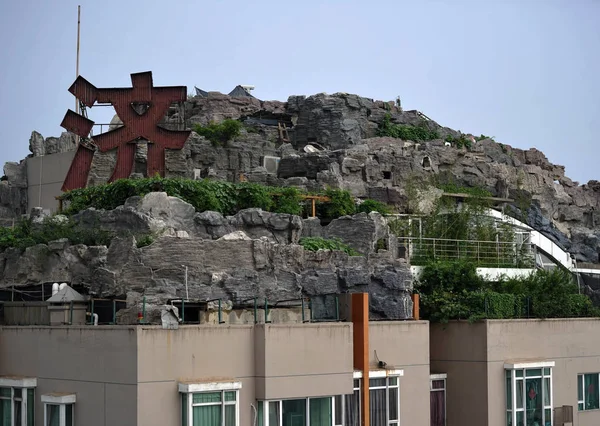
271,164
197,174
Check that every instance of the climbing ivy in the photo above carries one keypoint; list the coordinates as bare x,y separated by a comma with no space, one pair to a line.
318,243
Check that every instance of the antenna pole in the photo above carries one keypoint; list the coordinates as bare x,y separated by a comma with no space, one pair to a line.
77,63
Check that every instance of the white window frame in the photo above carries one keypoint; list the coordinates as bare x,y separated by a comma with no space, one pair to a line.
437,377
513,367
210,387
23,383
62,400
357,383
579,401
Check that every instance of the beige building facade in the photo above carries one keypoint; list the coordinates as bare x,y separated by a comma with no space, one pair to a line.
519,372
263,374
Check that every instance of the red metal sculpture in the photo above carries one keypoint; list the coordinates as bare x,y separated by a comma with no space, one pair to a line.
140,108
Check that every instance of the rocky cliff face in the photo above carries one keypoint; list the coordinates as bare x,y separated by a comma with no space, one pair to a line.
251,254
354,159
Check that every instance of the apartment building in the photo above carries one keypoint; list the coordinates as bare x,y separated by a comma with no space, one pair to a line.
331,373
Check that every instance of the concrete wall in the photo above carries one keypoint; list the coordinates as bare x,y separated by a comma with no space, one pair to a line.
473,356
405,345
303,360
96,363
571,343
460,350
191,353
53,169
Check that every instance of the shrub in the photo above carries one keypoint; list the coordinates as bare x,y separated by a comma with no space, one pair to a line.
287,200
369,206
220,133
406,132
341,204
318,243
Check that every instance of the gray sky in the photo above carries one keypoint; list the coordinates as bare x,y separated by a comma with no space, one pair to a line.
526,72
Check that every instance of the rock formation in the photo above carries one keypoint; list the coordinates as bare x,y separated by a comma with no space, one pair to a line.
251,254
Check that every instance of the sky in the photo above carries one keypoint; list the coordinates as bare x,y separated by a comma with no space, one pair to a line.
524,71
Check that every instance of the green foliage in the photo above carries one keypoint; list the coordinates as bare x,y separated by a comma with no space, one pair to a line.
341,204
25,234
220,133
453,290
223,197
406,132
453,188
144,240
369,206
460,141
318,243
287,200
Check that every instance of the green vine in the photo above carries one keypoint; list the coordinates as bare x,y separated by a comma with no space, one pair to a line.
406,132
318,243
220,133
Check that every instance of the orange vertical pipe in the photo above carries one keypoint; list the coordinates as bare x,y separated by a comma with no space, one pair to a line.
415,299
360,322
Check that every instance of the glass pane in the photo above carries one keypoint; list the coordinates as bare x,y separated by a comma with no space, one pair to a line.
294,412
547,392
533,372
508,393
261,413
17,412
393,401
437,384
320,411
519,393
202,398
378,406
579,387
509,418
352,409
230,415
374,383
337,402
5,392
52,415
230,396
519,373
547,416
30,407
184,409
508,374
356,383
393,381
208,415
546,371
580,406
520,421
274,413
5,412
590,383
437,408
533,398
17,393
69,415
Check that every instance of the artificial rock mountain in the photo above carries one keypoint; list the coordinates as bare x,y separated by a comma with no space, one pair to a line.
352,158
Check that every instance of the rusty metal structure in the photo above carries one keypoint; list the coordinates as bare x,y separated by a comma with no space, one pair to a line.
140,108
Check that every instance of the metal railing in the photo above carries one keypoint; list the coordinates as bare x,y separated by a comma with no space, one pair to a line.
492,254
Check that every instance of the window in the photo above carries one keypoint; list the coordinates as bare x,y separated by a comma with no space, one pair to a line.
59,409
529,394
17,406
210,404
587,391
437,396
338,410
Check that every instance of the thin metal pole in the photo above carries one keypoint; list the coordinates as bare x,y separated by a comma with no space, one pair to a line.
92,309
71,313
77,63
183,311
255,308
114,306
187,295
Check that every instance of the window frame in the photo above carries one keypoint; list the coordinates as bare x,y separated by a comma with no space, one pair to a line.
512,369
188,390
24,384
356,387
440,377
62,401
582,401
